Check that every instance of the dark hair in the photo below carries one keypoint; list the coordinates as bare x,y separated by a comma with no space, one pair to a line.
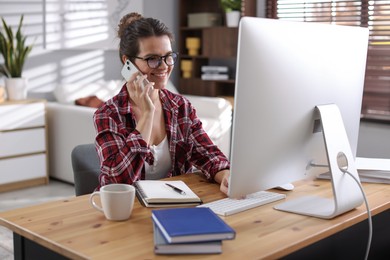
134,26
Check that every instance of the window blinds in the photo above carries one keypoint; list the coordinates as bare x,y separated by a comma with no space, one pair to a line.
33,21
372,14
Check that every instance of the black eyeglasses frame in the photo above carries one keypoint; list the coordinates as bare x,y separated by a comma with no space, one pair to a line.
174,55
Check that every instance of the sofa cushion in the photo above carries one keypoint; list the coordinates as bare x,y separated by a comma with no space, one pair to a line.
91,101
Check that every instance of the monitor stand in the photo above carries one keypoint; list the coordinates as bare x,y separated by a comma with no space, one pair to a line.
346,192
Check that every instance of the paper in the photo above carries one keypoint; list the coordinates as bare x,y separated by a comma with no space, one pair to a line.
372,164
372,170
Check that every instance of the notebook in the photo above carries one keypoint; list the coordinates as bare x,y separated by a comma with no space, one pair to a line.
161,246
157,193
183,225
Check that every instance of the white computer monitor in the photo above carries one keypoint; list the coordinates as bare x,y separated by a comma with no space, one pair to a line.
284,70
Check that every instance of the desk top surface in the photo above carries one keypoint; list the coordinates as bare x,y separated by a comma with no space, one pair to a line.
73,228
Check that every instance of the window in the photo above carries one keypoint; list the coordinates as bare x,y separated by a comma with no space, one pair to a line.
33,21
372,14
68,24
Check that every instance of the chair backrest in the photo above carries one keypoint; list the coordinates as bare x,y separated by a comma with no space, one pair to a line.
86,168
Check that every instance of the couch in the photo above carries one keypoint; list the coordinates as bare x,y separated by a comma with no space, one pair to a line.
70,125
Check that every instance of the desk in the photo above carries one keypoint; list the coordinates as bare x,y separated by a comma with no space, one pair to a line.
74,229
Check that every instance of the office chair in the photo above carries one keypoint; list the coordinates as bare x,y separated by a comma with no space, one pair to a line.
86,168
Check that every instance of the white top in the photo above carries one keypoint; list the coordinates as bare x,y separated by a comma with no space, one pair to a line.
162,161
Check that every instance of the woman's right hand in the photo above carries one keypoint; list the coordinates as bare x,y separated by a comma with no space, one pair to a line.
139,93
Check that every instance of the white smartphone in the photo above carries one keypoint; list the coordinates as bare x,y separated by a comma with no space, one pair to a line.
128,69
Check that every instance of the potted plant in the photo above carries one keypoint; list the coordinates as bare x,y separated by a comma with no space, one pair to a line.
232,9
14,50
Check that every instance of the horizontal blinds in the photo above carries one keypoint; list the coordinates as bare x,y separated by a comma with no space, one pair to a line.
33,21
372,14
376,100
78,24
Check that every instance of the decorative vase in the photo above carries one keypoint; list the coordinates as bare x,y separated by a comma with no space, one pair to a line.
186,67
233,18
16,88
193,45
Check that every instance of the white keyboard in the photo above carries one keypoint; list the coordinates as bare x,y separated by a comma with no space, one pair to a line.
228,206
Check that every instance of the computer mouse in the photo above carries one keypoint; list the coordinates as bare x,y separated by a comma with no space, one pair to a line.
287,186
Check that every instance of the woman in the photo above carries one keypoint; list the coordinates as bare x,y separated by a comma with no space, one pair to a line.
147,132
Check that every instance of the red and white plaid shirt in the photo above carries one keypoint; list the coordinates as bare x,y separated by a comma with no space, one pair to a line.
123,152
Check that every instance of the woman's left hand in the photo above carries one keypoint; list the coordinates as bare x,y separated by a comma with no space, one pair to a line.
222,177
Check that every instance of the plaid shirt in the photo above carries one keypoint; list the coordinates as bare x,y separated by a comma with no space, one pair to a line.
123,152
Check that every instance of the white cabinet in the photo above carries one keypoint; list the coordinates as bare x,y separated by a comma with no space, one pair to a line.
23,144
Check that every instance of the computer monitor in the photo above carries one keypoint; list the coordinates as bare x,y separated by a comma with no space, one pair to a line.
284,71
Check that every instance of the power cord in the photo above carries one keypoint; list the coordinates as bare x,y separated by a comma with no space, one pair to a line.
368,212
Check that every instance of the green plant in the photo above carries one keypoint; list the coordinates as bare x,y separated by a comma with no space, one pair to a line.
14,50
231,5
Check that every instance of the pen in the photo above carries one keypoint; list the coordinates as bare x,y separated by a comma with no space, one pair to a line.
182,192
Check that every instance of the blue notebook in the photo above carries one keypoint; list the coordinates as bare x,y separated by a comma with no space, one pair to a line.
182,225
161,246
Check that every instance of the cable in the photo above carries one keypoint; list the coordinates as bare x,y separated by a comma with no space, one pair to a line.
368,212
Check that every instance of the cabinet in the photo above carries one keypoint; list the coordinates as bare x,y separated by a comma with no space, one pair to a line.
23,144
218,47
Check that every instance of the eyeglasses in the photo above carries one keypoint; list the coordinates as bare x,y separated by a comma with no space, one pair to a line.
155,61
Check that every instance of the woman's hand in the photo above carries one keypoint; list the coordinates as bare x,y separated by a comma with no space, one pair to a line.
139,93
222,177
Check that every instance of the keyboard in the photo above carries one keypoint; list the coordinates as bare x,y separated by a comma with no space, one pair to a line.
228,206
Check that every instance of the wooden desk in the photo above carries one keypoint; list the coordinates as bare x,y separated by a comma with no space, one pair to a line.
74,229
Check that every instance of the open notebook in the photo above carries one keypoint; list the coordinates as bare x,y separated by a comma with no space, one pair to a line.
156,193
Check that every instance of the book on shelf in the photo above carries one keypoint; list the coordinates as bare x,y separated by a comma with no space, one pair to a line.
372,170
184,225
214,69
161,246
159,193
212,76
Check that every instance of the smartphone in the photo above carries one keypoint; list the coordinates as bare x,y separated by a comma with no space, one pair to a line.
128,69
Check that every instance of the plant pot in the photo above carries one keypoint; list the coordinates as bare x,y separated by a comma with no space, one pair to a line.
233,18
2,94
16,88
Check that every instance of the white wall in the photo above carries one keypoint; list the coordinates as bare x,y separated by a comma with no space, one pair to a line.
374,140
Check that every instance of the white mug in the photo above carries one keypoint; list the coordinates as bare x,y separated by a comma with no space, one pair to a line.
117,201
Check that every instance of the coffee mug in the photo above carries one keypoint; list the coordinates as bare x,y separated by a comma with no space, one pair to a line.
117,201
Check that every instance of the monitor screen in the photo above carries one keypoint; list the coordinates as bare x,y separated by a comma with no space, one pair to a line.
284,70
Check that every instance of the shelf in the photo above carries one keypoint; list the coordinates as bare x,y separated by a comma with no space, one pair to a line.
218,47
213,88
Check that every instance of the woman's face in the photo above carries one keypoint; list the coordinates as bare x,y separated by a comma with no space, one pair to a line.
155,46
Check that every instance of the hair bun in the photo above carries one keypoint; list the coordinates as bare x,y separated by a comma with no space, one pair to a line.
126,21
